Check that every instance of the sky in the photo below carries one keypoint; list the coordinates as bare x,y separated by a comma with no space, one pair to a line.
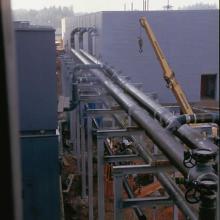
104,5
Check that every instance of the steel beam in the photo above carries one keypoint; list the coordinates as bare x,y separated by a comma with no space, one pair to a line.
147,202
121,158
83,159
141,169
104,112
118,194
90,166
100,170
118,132
93,98
78,138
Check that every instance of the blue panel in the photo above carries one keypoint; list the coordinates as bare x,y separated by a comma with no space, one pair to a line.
40,169
189,39
35,52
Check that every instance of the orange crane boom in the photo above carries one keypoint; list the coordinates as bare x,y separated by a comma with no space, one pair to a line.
169,75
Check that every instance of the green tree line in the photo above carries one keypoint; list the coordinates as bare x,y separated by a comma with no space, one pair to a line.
47,16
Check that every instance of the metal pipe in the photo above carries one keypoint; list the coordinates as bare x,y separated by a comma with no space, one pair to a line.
190,136
178,196
72,38
81,32
161,137
180,120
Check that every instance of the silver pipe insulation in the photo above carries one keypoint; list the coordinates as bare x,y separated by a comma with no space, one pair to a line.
180,120
171,188
190,136
165,141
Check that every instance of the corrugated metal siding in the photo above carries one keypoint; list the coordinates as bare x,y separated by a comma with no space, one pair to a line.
40,178
91,20
85,42
36,53
66,80
189,40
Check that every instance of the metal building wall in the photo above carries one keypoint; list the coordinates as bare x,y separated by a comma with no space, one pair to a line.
85,42
35,51
91,20
40,178
189,40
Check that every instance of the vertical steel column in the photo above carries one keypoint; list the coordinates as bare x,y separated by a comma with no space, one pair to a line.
118,193
60,140
78,138
90,165
100,170
175,213
74,131
83,161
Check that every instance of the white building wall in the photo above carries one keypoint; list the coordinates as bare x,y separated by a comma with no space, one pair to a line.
66,28
189,40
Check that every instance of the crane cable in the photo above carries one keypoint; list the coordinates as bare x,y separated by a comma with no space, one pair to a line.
140,41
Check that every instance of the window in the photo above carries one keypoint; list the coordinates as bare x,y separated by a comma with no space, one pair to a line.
208,86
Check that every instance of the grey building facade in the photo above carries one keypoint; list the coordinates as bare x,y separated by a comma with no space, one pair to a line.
36,58
36,70
189,40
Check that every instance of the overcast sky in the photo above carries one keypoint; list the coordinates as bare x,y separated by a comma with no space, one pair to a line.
103,5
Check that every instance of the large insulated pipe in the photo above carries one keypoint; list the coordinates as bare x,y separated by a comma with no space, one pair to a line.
189,135
176,195
81,32
72,37
91,32
161,137
180,120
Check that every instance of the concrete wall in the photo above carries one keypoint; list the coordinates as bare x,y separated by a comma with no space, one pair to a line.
189,40
35,50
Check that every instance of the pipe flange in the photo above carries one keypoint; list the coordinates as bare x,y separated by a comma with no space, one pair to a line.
202,155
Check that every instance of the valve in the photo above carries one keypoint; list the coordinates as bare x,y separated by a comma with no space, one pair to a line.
193,157
201,182
188,160
204,186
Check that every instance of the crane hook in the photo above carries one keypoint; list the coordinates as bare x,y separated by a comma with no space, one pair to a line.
140,44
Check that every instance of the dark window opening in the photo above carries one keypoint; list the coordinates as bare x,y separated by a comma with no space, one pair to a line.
208,86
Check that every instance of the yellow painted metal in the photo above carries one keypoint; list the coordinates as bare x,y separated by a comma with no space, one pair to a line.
169,75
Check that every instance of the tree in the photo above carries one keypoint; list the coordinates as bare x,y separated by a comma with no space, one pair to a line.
199,6
47,16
